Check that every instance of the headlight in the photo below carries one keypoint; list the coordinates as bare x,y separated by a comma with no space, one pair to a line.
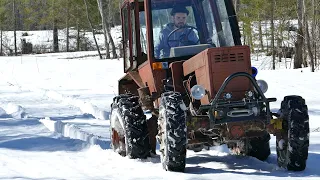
198,92
263,85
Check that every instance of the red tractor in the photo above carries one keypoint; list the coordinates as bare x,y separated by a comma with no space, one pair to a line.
185,66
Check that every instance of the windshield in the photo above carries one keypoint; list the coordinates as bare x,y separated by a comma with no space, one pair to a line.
186,27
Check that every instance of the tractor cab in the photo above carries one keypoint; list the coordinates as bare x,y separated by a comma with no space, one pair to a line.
172,30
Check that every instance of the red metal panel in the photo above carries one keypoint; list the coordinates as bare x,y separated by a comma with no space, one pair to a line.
214,65
145,73
225,61
194,63
136,77
177,76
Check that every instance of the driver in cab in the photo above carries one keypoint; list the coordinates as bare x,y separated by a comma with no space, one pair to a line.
175,34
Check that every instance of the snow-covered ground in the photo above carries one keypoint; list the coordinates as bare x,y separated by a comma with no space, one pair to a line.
54,123
53,126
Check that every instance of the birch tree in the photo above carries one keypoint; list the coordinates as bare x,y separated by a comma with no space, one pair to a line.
92,29
101,5
105,9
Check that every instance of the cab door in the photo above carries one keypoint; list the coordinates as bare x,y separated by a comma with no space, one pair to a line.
126,37
131,35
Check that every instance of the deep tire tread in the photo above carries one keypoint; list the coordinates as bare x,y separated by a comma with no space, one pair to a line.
175,134
260,147
136,130
296,120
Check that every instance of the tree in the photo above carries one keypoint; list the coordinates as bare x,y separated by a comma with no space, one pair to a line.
272,35
105,9
308,39
236,4
2,20
14,27
67,23
102,5
55,28
298,58
93,33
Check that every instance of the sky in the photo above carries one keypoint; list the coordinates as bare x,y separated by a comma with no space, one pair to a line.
54,123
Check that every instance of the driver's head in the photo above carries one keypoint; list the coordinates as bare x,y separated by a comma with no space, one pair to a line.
179,16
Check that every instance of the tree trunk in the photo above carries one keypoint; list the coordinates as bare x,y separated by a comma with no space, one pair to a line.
55,37
310,52
15,28
244,34
113,47
266,29
236,5
280,51
298,58
55,30
260,35
101,5
308,39
1,50
316,34
91,26
67,24
106,42
272,36
78,30
313,33
106,21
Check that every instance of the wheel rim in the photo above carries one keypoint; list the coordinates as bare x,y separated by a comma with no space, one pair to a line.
282,153
115,138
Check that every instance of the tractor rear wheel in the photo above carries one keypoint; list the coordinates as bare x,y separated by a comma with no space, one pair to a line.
128,125
260,147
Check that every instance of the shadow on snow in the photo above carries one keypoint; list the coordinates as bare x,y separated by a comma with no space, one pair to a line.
242,164
43,143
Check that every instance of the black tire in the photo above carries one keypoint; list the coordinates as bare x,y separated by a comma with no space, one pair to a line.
135,131
260,147
293,143
172,132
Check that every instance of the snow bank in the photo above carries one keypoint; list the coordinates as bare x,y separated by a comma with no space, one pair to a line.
12,111
2,112
16,111
74,132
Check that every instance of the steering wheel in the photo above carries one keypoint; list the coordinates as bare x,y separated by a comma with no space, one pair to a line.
183,39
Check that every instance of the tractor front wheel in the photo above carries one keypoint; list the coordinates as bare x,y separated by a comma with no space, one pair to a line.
172,132
293,143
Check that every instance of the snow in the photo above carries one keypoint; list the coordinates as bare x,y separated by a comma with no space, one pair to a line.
54,123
